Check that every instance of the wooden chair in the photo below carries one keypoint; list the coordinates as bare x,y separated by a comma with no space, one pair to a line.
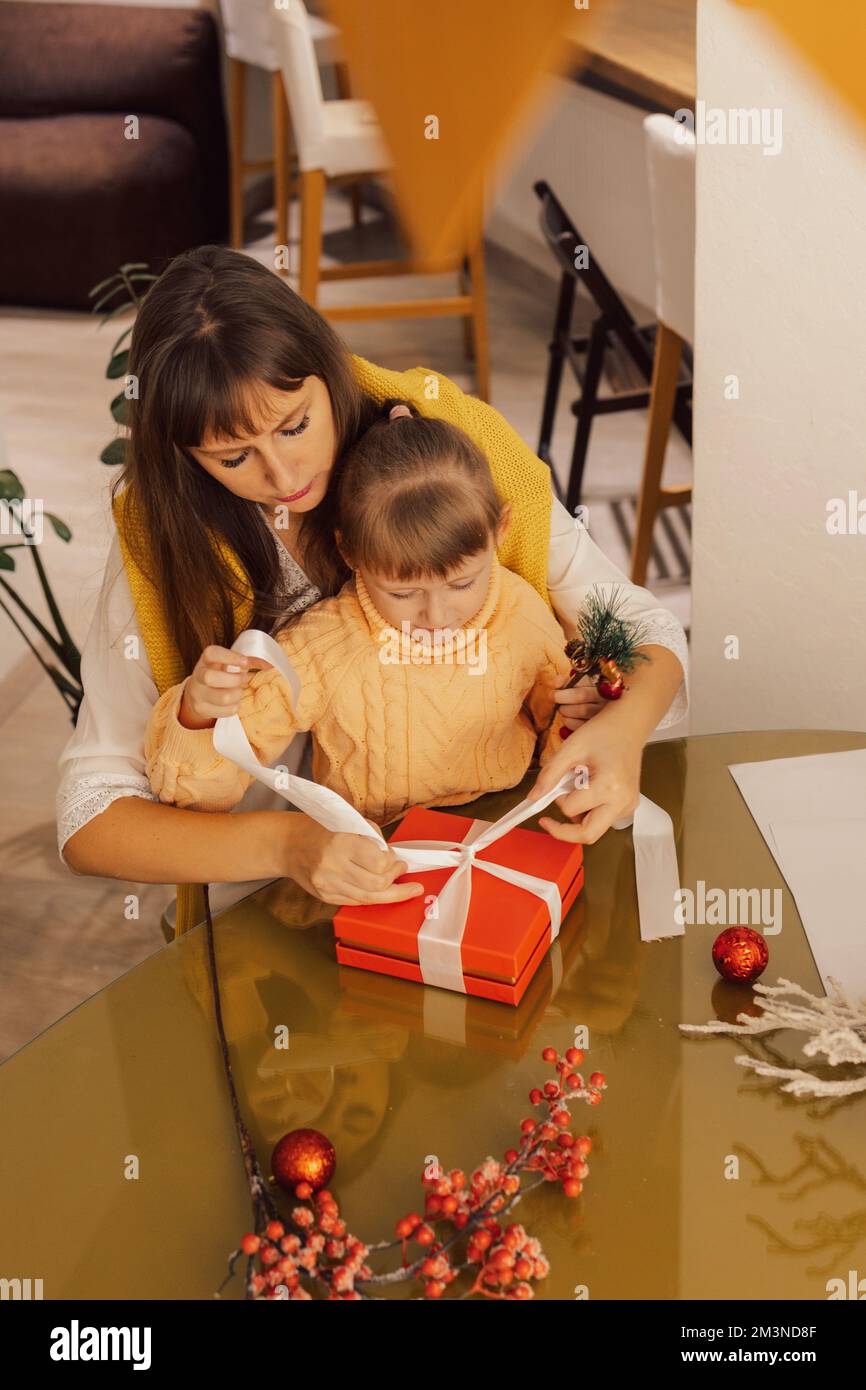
249,42
670,151
340,142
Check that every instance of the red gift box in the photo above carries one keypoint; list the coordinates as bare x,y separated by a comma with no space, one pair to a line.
507,930
481,1025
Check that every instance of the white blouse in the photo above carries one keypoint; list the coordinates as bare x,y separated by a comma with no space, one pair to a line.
104,758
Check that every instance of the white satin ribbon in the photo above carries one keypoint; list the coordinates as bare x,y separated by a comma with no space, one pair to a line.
441,934
656,870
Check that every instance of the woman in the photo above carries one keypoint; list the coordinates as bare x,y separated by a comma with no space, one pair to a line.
244,398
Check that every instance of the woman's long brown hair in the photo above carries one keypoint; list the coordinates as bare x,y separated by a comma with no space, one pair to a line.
214,324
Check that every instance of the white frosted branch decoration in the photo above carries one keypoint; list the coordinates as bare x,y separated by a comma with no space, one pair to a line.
837,1028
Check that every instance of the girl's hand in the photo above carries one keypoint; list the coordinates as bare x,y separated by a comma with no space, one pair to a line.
346,869
612,758
579,703
216,686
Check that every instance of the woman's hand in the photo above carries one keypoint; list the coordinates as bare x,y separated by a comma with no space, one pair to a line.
216,686
345,869
579,703
611,758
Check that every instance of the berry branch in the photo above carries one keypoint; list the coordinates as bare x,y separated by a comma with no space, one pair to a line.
461,1231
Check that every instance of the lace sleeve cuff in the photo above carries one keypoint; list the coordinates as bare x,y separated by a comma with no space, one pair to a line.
82,798
662,629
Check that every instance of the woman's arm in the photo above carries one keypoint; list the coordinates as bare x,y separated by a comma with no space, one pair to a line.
110,824
147,842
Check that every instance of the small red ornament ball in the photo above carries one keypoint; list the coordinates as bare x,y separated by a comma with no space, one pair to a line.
610,690
303,1156
740,954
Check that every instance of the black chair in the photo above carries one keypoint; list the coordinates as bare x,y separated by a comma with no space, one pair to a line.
614,333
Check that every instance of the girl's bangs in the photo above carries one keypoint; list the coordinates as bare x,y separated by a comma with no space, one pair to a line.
426,532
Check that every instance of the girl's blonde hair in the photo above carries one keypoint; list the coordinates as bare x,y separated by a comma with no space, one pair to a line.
415,497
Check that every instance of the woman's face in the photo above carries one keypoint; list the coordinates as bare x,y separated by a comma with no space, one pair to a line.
288,462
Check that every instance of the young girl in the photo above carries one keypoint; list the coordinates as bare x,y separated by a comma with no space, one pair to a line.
426,681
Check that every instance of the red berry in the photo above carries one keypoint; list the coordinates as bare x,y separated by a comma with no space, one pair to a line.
511,1155
527,1126
575,1056
565,1141
275,1230
424,1235
561,1118
535,1096
250,1244
303,1191
594,1098
434,1289
523,1269
522,1292
549,1055
584,1145
571,1187
551,1089
597,1079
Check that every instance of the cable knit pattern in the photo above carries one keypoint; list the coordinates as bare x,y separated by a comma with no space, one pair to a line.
416,730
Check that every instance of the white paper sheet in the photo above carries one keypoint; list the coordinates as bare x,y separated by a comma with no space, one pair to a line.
812,813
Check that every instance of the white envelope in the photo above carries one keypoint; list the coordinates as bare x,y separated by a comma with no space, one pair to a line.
812,813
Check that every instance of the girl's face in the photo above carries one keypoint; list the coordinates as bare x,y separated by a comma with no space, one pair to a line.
432,604
288,462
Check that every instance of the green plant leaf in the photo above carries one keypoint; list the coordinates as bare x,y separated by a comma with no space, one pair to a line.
125,334
120,409
115,279
11,487
7,562
114,453
118,365
60,527
107,298
123,308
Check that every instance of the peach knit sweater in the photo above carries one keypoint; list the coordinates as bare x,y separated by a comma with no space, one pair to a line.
388,734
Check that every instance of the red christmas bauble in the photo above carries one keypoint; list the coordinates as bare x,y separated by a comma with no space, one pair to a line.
303,1155
740,954
610,691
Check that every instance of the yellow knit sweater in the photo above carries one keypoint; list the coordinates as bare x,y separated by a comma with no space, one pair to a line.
393,725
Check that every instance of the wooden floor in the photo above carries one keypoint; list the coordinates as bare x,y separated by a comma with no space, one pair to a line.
62,937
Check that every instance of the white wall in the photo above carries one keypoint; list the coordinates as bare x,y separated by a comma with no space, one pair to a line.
781,304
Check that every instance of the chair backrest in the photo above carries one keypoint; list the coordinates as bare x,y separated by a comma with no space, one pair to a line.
293,39
248,33
670,155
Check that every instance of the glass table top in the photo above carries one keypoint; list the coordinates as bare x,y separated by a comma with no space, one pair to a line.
395,1074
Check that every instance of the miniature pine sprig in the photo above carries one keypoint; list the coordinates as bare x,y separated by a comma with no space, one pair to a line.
607,644
606,633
